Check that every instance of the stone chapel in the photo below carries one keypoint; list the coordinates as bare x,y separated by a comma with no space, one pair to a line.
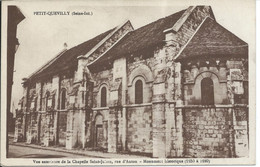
177,87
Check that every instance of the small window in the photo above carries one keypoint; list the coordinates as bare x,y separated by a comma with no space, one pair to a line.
35,103
63,99
139,92
53,101
207,92
47,99
103,97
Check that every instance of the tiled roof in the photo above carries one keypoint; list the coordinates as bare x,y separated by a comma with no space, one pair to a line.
144,37
213,39
68,59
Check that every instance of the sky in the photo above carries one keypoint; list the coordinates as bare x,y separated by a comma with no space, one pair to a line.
42,37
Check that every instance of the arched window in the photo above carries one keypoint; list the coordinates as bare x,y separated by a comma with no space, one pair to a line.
63,99
207,92
47,99
139,92
103,97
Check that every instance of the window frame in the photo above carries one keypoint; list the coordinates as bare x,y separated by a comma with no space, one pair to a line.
103,98
207,91
63,91
99,95
137,93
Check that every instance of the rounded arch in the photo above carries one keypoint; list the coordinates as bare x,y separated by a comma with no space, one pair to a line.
139,77
99,119
207,74
215,87
142,70
103,84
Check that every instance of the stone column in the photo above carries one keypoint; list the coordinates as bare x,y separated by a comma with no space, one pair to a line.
55,127
159,138
56,86
69,133
114,109
113,130
170,129
231,133
29,133
241,143
105,127
159,121
24,127
179,141
38,128
124,128
18,127
47,131
82,127
24,111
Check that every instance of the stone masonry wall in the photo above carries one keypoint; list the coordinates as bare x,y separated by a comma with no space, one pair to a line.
45,88
42,128
102,77
208,132
34,128
62,128
139,129
241,132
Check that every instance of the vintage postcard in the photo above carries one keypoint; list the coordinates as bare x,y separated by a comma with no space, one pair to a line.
128,83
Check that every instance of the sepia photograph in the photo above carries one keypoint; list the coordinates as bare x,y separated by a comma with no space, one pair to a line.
128,83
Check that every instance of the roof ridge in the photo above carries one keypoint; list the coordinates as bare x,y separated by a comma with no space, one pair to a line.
47,62
64,51
94,37
97,39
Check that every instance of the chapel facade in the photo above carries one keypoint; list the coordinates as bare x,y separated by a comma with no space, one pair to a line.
177,87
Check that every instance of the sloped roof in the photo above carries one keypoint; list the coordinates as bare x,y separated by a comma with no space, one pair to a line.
143,37
213,39
68,59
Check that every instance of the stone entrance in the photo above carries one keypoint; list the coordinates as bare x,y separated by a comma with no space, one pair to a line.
99,132
99,136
